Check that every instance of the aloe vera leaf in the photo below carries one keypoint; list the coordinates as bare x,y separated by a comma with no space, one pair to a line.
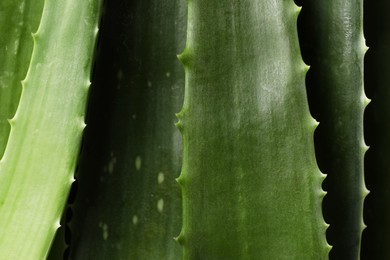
128,204
251,187
376,238
59,245
334,45
18,19
37,168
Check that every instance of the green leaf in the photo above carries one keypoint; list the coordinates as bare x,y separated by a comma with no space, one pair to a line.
128,204
333,41
251,186
376,237
18,19
37,168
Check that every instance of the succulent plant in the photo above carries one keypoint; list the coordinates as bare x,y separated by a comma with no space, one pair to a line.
251,80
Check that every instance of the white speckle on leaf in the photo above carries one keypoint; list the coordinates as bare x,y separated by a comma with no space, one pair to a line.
104,228
105,231
135,219
160,205
160,177
138,163
111,165
16,47
168,74
149,83
119,75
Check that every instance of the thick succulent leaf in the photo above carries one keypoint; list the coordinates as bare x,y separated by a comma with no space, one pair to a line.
251,186
18,20
37,168
128,205
333,44
376,238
